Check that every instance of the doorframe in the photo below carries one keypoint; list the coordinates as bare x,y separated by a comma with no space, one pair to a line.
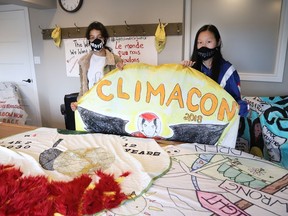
6,8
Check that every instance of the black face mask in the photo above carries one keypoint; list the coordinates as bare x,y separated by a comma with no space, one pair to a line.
205,53
97,45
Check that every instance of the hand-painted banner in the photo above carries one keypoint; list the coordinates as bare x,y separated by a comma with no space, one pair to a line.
169,101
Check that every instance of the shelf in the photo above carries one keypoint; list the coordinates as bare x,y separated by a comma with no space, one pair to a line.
172,29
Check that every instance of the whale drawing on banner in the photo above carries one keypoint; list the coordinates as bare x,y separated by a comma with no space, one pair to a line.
169,102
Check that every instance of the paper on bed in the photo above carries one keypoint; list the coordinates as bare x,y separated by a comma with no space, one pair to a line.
65,156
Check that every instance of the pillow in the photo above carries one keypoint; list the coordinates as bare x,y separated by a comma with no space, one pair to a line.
169,102
11,108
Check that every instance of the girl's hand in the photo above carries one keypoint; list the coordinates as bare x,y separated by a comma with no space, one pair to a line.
73,106
120,65
187,63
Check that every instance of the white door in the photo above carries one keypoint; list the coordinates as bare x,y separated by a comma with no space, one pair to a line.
16,58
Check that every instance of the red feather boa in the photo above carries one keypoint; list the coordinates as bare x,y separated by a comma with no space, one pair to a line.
36,195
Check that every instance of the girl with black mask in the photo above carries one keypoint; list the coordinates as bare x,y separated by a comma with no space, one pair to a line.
98,62
208,59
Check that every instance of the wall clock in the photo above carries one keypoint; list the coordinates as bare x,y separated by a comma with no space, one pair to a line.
70,6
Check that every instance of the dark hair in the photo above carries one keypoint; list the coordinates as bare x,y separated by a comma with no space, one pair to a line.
100,27
217,57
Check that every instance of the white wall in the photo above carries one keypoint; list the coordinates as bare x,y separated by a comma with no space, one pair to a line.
52,81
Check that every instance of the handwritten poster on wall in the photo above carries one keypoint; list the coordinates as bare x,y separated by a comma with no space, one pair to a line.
74,49
134,49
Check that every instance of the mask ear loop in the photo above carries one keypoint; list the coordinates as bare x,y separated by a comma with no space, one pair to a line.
104,40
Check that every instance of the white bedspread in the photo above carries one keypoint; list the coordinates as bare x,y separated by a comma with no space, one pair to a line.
63,157
201,180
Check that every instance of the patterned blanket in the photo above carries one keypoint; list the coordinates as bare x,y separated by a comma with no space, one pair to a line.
265,131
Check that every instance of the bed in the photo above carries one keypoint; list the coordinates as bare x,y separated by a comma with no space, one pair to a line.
86,172
201,179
